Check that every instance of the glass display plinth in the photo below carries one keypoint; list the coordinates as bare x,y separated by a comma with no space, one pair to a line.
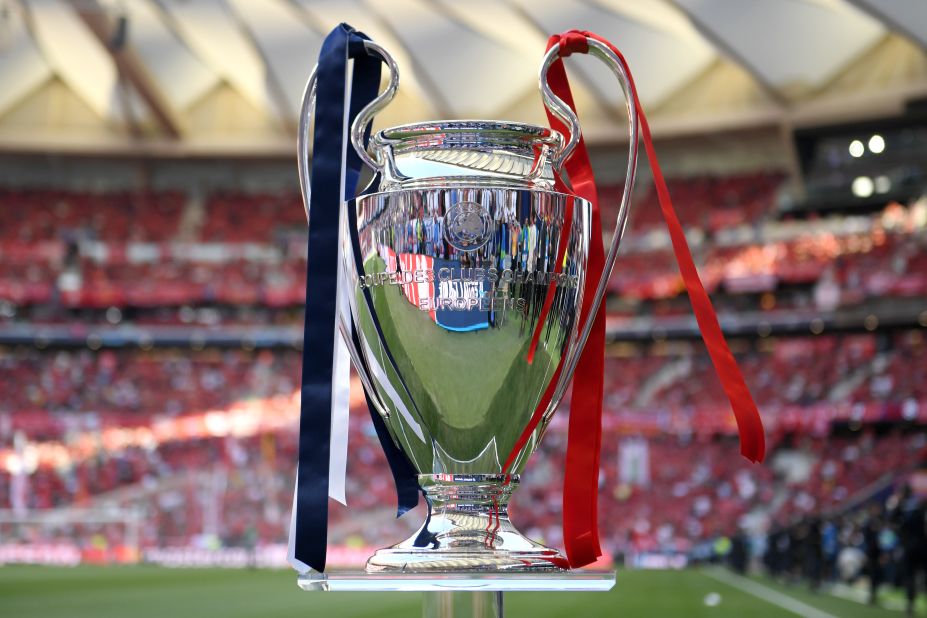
359,581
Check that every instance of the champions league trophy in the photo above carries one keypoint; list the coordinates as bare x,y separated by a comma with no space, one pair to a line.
469,253
468,278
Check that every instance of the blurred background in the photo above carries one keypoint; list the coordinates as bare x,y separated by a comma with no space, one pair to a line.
153,255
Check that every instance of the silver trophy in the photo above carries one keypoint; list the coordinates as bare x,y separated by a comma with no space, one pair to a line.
460,250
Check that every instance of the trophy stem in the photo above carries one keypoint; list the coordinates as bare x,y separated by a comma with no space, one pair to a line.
467,528
462,604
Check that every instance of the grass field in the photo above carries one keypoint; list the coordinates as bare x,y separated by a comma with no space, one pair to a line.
143,592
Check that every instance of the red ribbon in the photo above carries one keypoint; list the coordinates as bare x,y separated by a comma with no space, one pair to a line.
580,493
584,437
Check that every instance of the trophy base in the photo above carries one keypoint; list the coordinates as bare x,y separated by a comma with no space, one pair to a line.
467,529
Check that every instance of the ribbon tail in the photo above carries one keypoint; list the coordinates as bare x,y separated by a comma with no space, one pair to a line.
341,399
340,424
300,566
404,475
746,414
341,363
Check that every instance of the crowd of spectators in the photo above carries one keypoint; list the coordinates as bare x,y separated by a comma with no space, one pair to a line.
783,373
32,217
710,203
177,283
157,249
251,218
237,492
699,489
859,266
156,382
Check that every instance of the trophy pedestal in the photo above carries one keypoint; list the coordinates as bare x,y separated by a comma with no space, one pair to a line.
461,595
465,555
580,580
467,529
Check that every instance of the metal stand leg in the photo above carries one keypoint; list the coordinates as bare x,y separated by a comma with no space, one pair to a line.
462,604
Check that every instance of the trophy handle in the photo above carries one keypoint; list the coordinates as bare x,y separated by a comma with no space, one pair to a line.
302,140
358,127
562,111
365,116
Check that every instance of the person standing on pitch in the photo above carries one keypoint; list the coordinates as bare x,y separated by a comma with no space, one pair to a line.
909,516
872,530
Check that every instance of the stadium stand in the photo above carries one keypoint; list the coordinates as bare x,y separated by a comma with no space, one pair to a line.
699,490
156,427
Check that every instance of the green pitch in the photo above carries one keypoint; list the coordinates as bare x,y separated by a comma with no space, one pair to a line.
149,592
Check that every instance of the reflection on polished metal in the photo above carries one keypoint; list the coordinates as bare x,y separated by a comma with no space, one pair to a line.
467,529
461,246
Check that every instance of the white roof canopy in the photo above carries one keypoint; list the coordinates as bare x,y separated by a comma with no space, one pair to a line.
229,74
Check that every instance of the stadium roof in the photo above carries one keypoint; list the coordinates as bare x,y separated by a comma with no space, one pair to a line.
226,76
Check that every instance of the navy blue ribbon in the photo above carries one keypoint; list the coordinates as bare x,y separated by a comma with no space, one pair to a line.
311,532
404,475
